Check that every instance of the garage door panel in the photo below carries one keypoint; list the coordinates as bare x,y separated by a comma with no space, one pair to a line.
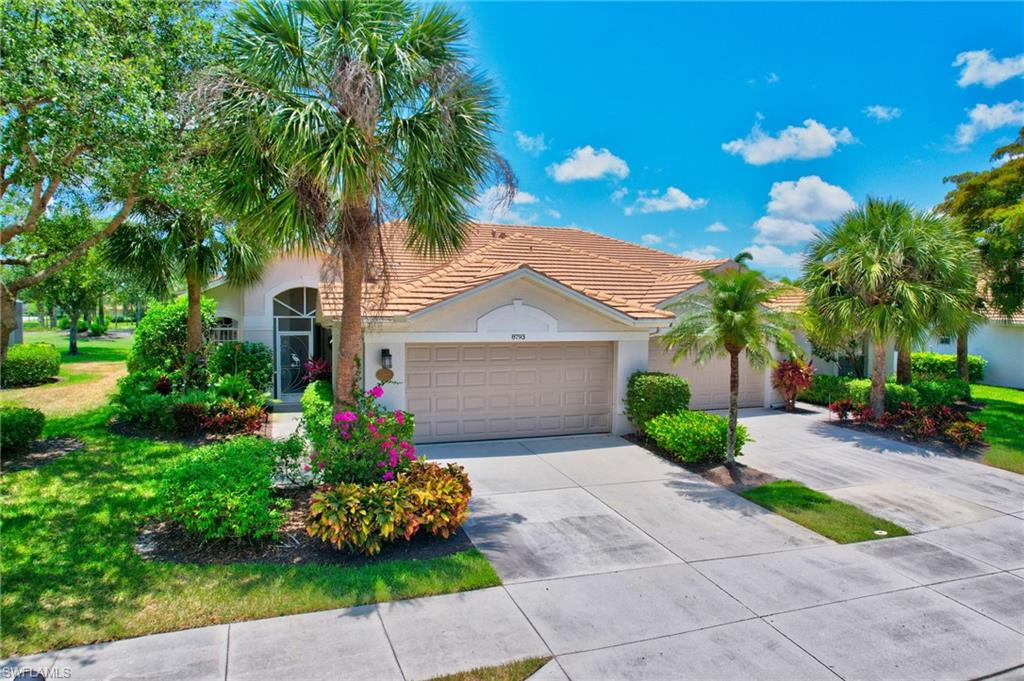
508,390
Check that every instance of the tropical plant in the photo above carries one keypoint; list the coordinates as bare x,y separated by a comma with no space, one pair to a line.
890,273
789,377
732,316
339,116
89,110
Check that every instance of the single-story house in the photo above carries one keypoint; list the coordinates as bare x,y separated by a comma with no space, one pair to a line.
1000,341
528,331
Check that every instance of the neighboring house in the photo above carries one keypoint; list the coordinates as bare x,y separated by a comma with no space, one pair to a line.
528,331
1000,341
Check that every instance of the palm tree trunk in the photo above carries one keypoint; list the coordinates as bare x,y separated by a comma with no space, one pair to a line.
734,406
194,319
73,335
903,371
962,369
355,255
878,379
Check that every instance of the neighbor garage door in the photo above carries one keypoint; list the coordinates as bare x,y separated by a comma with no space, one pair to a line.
479,391
709,383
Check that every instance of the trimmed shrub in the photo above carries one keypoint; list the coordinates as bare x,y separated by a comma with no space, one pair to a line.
64,323
362,444
896,395
935,393
29,364
695,436
253,361
19,427
224,491
932,365
825,389
98,328
651,393
363,518
140,400
160,337
789,377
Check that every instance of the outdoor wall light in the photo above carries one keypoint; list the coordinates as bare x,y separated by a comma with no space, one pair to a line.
385,358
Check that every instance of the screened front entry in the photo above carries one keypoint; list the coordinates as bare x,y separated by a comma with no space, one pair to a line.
298,338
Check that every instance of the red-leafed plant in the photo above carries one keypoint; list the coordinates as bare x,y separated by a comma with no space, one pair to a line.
841,408
790,377
965,433
317,369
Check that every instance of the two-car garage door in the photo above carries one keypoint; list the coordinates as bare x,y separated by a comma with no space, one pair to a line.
478,391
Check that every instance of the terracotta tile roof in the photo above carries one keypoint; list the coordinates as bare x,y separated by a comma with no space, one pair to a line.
790,298
628,278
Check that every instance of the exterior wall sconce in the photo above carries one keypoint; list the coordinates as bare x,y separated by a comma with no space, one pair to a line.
385,358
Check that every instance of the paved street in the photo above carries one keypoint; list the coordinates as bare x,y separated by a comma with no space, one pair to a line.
624,566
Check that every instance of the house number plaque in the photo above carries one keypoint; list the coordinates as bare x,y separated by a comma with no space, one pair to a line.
519,336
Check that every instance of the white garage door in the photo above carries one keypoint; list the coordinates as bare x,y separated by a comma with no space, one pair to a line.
479,391
709,383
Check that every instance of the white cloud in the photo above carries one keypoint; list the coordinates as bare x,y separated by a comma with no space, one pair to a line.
773,230
702,253
534,145
810,140
552,213
772,78
587,163
523,198
773,256
984,118
716,227
979,66
490,203
619,194
672,199
809,199
881,112
650,239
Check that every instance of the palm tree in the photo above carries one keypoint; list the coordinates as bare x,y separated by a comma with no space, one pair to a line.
891,273
165,246
732,315
342,115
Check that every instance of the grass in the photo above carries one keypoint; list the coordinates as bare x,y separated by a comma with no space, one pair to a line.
512,671
71,575
1003,416
821,513
86,380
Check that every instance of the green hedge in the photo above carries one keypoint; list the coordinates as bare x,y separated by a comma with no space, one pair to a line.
30,364
825,389
941,393
651,393
895,394
253,360
224,490
160,336
920,393
318,414
695,436
932,365
19,427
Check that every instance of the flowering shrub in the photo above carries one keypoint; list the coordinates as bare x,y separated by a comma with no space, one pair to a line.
363,518
790,377
364,443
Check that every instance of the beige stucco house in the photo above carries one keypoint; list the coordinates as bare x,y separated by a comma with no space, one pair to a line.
529,331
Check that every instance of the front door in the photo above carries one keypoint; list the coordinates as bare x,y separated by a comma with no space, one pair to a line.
294,348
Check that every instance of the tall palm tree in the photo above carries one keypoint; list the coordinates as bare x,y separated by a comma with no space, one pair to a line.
165,246
891,273
342,115
732,316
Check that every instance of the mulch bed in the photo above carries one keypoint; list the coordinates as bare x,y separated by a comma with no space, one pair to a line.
737,479
43,452
118,427
170,543
933,444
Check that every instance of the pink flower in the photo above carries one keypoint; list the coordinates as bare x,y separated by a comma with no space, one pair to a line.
345,416
376,391
389,475
400,417
306,468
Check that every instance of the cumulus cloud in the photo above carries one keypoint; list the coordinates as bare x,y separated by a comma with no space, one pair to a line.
492,207
716,227
702,253
587,163
773,256
619,194
984,118
533,145
672,199
810,140
809,199
880,112
651,239
773,230
980,67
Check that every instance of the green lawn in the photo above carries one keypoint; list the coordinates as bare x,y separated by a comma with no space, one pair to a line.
71,576
103,349
821,513
1003,417
512,671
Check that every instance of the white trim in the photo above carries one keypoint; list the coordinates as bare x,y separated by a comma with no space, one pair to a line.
500,336
516,317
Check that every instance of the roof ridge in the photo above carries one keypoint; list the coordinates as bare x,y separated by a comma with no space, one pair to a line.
591,254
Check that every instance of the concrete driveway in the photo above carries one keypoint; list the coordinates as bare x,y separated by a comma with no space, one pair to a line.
624,566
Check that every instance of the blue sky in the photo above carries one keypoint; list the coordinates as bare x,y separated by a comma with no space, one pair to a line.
653,122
